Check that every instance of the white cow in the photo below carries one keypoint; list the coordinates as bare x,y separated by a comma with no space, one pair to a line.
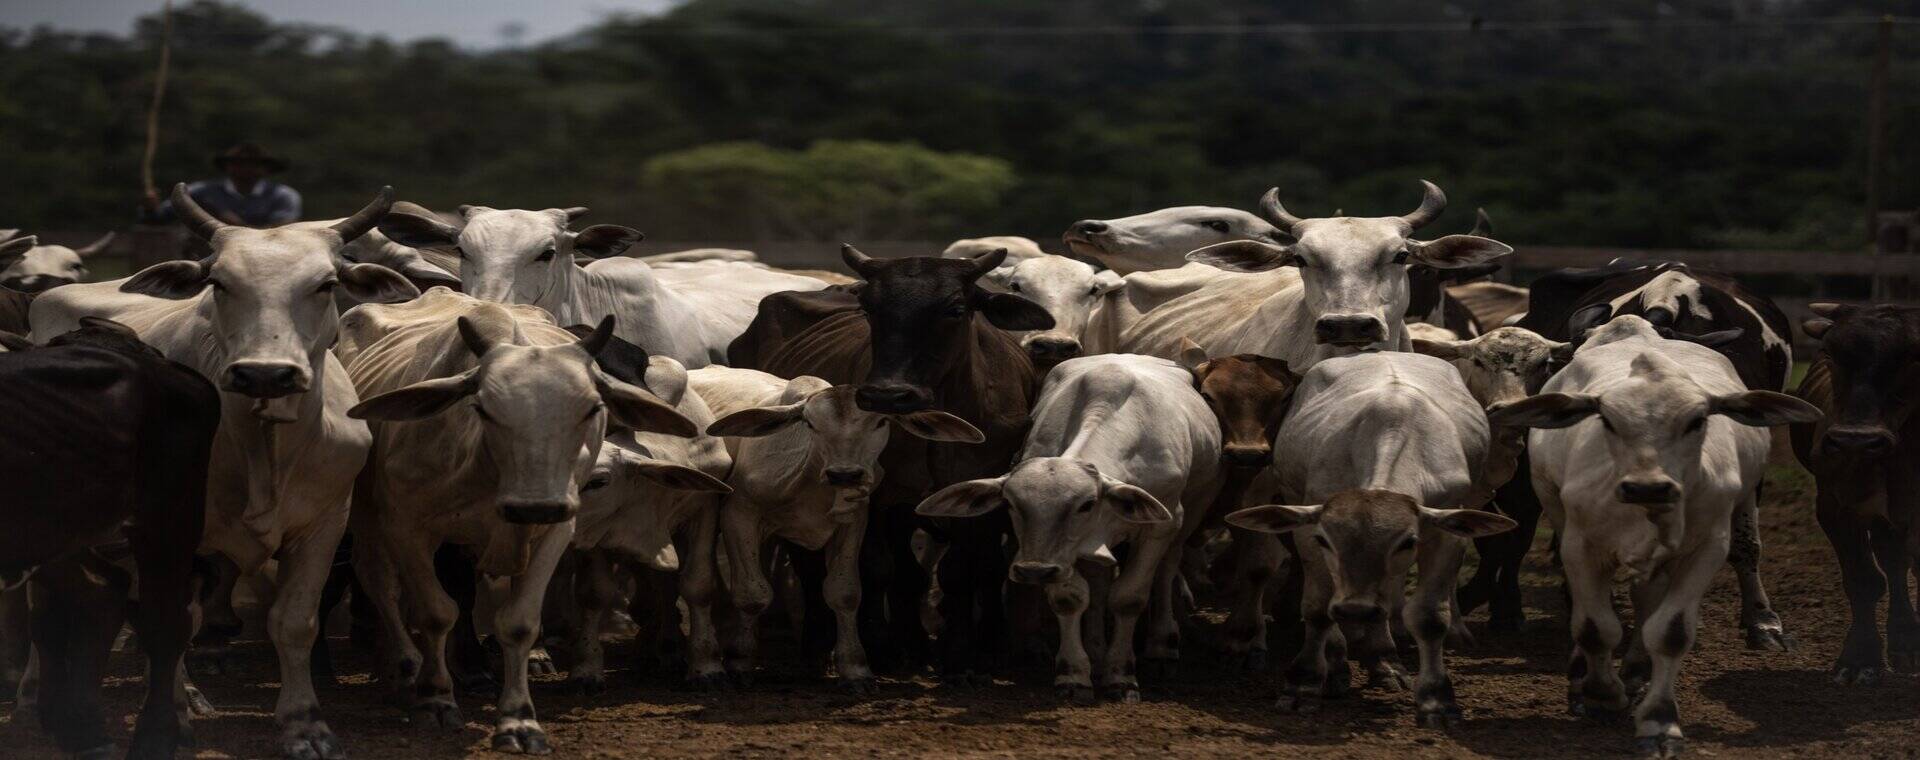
652,501
1342,287
1379,440
1645,446
1123,450
1018,248
1160,240
805,460
487,420
688,312
1070,290
49,266
256,318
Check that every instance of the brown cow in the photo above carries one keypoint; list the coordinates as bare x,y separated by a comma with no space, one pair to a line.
1865,457
926,336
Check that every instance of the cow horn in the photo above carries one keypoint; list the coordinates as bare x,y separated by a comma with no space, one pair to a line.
1270,205
470,334
987,262
1431,205
354,226
575,212
201,223
1824,309
859,262
1482,224
596,342
95,247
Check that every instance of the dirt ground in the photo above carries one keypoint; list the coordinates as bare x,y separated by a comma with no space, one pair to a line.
1734,702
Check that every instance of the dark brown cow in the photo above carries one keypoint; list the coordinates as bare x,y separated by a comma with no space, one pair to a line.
926,336
1865,457
104,439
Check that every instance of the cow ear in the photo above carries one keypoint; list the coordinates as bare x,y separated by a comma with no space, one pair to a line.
174,280
1244,256
1132,503
968,498
11,251
1816,327
675,477
1716,340
1764,408
1561,353
1275,518
372,283
1455,251
1467,523
1107,281
418,401
1191,354
1588,318
603,240
1001,277
935,425
1440,349
14,341
638,410
756,422
1010,312
417,229
1547,410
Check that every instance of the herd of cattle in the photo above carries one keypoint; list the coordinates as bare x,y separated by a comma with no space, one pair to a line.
516,428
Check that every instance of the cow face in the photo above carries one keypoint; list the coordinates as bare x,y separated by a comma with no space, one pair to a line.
1874,355
50,266
1249,395
920,314
617,488
1367,542
1653,423
1354,270
540,414
1161,239
1502,366
512,255
270,293
1069,290
1063,511
842,442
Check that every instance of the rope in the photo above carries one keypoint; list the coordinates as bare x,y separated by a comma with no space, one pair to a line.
159,90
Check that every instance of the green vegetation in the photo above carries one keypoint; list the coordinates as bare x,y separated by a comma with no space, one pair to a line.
744,119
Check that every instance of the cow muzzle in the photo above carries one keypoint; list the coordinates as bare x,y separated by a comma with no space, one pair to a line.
893,398
1861,440
266,379
844,477
1648,491
1051,348
536,512
1247,455
1349,330
1035,573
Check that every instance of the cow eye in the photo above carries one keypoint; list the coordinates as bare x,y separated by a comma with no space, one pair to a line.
217,287
598,481
1696,424
1401,257
956,311
595,410
1093,290
482,411
1215,225
546,255
1085,506
1322,541
328,286
1408,544
880,423
1014,286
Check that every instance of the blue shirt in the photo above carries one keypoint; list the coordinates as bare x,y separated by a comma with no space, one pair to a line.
270,204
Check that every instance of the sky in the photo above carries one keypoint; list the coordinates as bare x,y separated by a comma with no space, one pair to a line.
470,23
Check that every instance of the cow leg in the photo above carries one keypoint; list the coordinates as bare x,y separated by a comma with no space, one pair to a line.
594,591
1593,688
1307,678
842,591
752,592
218,621
1428,617
1257,556
76,617
339,579
466,656
898,584
1666,634
1163,627
16,637
164,622
292,623
958,606
809,612
1127,600
430,615
1757,616
1073,671
1863,656
699,585
517,625
380,586
1903,627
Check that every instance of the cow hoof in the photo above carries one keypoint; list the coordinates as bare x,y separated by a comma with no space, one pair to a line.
1254,661
436,715
102,752
1847,675
1770,637
1126,693
524,740
197,703
1441,719
1389,678
859,687
315,743
591,686
1659,747
1076,694
708,683
539,663
1301,703
1458,637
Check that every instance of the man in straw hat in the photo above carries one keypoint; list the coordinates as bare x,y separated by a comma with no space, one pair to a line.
245,197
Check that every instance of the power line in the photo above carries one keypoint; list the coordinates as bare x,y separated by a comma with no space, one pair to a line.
1472,25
